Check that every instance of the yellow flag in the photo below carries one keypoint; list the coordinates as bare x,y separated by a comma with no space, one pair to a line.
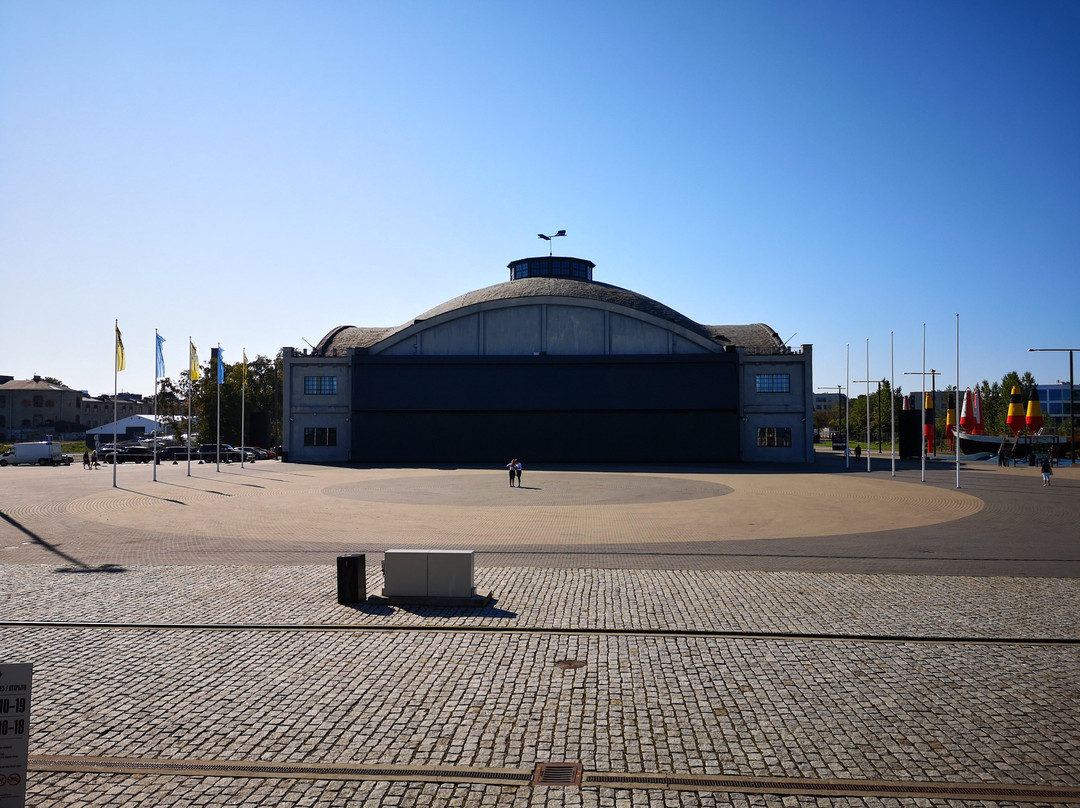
193,370
243,373
120,363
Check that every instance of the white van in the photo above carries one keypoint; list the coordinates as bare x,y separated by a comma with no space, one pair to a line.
39,452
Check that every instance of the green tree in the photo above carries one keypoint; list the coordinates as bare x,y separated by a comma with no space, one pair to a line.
995,405
172,402
252,390
880,414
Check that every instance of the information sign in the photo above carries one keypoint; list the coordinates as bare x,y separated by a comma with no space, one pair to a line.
14,732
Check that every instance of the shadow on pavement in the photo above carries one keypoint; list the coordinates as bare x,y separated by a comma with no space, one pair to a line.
384,610
151,496
76,565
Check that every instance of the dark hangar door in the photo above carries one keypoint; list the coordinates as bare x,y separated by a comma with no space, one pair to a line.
545,409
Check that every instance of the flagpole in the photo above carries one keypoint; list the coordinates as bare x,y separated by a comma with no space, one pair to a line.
193,376
116,373
892,401
923,394
191,394
217,447
243,403
956,404
847,409
868,403
157,352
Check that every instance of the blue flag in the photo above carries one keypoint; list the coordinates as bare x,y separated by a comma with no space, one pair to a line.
160,358
220,366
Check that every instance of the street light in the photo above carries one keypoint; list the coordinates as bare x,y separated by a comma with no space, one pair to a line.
549,238
1072,399
839,399
933,374
879,382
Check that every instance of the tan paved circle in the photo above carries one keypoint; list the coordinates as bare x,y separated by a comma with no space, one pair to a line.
406,507
542,488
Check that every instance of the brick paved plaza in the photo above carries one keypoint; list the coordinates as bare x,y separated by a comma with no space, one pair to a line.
824,635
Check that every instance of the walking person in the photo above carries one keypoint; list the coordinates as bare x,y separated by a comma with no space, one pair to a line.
94,459
1046,471
858,452
86,459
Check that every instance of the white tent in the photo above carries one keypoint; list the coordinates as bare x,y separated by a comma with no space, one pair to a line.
132,427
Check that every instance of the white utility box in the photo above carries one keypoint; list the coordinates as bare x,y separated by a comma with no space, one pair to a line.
428,574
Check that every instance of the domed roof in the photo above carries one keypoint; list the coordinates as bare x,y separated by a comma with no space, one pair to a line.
758,335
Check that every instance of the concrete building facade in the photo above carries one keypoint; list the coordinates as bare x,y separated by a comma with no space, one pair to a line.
553,367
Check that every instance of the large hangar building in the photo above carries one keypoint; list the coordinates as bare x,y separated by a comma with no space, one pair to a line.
552,367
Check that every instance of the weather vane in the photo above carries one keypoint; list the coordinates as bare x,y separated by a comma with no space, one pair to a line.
549,238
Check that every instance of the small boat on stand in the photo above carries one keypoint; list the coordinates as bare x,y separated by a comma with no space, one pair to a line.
1039,441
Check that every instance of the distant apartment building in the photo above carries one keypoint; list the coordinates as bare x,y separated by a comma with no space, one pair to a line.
35,404
99,410
827,402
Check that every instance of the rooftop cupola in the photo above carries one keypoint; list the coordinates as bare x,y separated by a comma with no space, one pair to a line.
551,266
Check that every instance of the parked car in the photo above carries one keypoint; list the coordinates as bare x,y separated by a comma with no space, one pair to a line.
128,454
171,453
209,453
254,452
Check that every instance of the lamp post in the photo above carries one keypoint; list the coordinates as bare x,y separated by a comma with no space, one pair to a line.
839,398
933,374
879,436
867,383
922,392
1072,399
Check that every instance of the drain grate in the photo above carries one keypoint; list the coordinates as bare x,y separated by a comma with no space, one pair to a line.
569,664
557,774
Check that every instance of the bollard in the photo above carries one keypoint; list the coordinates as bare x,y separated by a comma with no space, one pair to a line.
351,579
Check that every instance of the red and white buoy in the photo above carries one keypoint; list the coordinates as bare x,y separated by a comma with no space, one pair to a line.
967,414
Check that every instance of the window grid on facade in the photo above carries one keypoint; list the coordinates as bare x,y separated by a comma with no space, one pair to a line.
320,385
774,436
772,383
320,436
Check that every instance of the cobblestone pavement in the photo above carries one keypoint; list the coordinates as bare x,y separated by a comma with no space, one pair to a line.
287,675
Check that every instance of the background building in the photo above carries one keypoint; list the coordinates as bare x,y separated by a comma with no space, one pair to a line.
1056,403
550,367
30,408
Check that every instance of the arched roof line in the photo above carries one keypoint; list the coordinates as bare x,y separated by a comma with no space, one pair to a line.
557,291
422,324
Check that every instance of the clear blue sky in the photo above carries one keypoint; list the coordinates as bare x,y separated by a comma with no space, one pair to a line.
257,173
